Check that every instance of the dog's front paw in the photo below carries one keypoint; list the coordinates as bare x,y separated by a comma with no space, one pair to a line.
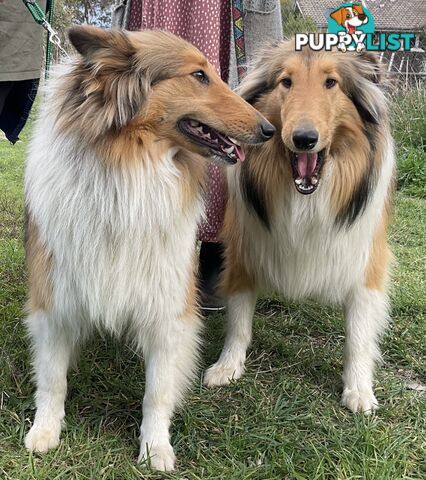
359,400
158,457
41,439
222,374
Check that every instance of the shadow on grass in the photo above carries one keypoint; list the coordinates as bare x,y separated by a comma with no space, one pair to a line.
306,344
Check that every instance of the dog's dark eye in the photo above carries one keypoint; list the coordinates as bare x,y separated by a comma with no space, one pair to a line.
201,76
286,82
330,82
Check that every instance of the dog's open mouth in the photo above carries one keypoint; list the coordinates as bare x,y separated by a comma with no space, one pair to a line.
219,144
306,168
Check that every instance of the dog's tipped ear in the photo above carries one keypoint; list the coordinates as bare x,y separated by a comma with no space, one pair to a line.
90,41
357,7
338,16
87,39
253,90
268,64
373,68
110,85
361,73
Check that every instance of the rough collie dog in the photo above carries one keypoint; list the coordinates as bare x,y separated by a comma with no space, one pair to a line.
113,193
308,212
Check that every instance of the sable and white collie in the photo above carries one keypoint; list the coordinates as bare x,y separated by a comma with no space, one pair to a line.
308,212
113,192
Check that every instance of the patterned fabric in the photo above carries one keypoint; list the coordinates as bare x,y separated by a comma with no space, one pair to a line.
207,25
238,27
135,20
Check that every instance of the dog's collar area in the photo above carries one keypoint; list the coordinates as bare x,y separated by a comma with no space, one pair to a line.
306,168
220,144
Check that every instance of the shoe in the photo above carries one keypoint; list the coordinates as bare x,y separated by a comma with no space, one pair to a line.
211,303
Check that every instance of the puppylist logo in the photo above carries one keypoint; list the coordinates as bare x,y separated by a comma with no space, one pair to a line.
351,27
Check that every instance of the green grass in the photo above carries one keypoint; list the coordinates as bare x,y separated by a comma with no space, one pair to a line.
281,421
409,118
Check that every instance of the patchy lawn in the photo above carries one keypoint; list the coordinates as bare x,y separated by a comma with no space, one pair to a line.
281,421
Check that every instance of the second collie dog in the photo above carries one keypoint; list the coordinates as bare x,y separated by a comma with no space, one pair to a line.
308,212
113,192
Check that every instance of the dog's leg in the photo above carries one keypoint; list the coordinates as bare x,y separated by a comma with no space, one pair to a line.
52,351
170,361
366,319
230,365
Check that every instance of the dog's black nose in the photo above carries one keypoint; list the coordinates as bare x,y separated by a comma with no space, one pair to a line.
267,129
305,139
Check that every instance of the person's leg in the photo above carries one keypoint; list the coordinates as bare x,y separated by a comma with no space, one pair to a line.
5,88
209,270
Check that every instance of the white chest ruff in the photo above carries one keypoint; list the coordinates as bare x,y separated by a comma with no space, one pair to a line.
309,260
121,241
306,255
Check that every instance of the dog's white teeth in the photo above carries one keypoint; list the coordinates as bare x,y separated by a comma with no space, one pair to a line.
207,135
234,141
228,150
298,181
314,180
199,129
194,123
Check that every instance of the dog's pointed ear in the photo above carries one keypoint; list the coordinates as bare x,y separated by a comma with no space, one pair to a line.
338,16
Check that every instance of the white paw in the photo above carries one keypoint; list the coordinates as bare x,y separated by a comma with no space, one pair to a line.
222,374
42,439
158,457
359,400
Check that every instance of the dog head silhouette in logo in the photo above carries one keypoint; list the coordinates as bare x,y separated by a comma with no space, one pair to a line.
350,17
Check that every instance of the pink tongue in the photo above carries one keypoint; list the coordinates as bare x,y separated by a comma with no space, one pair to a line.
240,153
306,163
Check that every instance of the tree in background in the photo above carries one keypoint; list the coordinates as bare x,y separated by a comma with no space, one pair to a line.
295,22
93,12
71,12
